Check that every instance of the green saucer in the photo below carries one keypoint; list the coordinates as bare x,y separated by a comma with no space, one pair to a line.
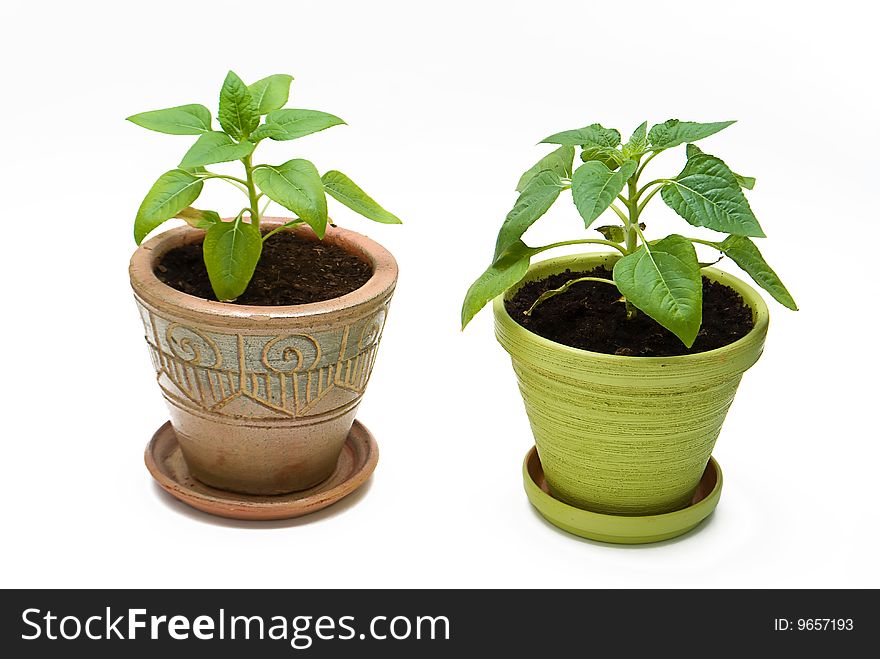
621,529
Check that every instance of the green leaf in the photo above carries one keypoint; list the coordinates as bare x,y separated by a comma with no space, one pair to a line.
174,191
610,157
614,232
707,194
231,251
181,120
215,147
290,124
638,142
505,271
663,280
592,135
532,203
198,219
345,191
594,187
238,112
747,182
297,186
674,132
558,161
692,150
747,256
271,92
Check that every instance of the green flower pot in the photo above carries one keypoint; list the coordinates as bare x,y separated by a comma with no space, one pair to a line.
625,435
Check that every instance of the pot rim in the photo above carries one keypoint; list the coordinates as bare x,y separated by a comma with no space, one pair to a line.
760,314
149,287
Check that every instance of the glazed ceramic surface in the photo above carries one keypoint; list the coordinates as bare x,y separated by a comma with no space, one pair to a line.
622,529
356,462
262,398
625,435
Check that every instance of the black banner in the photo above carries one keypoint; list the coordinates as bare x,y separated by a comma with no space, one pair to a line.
406,623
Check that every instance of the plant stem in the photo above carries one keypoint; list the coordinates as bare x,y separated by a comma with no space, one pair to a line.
583,241
647,160
620,213
225,177
648,198
632,223
287,225
632,228
704,242
546,295
252,191
656,181
233,181
265,206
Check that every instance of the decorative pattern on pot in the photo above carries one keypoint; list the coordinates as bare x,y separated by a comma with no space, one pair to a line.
290,375
262,399
625,435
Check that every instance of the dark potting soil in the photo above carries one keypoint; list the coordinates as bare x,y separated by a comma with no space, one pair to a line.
590,316
291,270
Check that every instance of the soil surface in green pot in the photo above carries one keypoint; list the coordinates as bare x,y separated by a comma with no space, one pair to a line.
292,270
592,316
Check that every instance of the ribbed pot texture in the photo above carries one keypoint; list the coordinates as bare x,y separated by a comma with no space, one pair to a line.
262,398
625,435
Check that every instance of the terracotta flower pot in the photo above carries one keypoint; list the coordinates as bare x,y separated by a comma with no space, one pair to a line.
262,398
625,435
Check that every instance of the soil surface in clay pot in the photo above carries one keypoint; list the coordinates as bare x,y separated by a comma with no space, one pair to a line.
291,270
590,316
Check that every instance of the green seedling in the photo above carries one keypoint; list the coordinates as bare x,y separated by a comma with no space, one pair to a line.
661,278
247,115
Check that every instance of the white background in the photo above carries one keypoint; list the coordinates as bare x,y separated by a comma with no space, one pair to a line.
445,102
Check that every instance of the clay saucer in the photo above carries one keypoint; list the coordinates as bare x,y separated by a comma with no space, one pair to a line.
166,464
621,529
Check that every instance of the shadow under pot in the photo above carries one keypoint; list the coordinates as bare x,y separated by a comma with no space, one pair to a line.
262,398
624,435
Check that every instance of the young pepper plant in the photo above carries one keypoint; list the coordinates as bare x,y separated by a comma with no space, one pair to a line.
661,278
247,115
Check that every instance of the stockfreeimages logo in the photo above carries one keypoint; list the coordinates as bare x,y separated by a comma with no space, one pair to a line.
299,631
